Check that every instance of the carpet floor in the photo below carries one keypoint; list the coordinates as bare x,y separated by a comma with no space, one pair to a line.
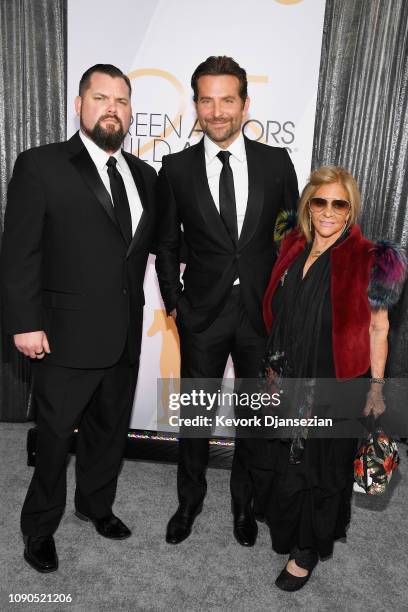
207,572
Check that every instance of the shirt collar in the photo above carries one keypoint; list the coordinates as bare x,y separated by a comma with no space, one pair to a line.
98,155
236,148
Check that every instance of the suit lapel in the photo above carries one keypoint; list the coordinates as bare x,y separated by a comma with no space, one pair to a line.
255,194
83,163
141,188
205,200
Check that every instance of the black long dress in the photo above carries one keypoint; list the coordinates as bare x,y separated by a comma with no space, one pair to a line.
307,504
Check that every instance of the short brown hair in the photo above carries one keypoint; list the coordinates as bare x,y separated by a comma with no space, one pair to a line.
217,65
108,69
324,176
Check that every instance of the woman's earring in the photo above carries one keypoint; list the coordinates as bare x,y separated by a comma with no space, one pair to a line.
345,226
310,221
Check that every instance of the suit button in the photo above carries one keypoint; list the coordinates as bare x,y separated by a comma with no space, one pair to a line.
124,291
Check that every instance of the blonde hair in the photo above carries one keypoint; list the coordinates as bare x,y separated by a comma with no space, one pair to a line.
324,176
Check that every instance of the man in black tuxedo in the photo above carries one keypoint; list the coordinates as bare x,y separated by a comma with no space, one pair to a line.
226,191
78,227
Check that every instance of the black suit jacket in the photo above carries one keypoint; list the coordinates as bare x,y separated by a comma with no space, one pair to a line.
212,260
65,267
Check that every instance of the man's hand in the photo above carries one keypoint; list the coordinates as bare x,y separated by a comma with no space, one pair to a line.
173,314
32,344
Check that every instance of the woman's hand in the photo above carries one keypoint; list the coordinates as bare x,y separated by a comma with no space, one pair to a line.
375,404
272,379
270,373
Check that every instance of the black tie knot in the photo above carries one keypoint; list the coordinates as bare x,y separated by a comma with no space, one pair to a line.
112,161
224,156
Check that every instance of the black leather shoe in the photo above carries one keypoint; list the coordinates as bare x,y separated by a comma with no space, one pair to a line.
180,524
109,526
245,527
40,553
306,559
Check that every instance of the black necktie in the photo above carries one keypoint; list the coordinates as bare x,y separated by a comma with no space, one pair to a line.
120,200
228,209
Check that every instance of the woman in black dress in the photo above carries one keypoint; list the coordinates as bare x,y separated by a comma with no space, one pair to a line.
326,310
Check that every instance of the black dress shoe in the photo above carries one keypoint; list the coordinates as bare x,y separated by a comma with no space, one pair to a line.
109,526
180,524
40,553
306,559
245,527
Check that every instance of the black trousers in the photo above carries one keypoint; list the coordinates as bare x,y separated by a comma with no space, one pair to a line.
99,402
204,355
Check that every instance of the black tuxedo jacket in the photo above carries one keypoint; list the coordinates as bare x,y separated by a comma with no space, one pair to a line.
65,267
212,260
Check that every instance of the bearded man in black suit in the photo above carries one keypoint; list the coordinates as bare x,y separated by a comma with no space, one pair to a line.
78,228
225,192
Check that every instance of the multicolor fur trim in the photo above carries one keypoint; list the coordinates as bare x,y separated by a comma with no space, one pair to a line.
285,222
387,275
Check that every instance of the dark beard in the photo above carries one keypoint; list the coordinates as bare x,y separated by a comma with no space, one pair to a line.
106,140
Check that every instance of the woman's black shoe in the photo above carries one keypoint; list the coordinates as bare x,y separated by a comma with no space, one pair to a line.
306,559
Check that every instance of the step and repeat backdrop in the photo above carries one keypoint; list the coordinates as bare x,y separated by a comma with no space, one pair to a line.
159,43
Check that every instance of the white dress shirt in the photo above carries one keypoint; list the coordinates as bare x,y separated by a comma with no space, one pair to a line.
99,158
239,167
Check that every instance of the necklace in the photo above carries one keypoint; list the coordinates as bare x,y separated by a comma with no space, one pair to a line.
318,252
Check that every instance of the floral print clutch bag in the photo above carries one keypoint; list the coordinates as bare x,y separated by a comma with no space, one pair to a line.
376,459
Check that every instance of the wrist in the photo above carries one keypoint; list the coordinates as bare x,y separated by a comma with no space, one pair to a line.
376,389
377,380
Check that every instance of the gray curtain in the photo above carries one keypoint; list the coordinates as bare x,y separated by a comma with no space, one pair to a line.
362,124
32,86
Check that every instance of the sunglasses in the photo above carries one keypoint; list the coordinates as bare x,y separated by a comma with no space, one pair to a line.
339,207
